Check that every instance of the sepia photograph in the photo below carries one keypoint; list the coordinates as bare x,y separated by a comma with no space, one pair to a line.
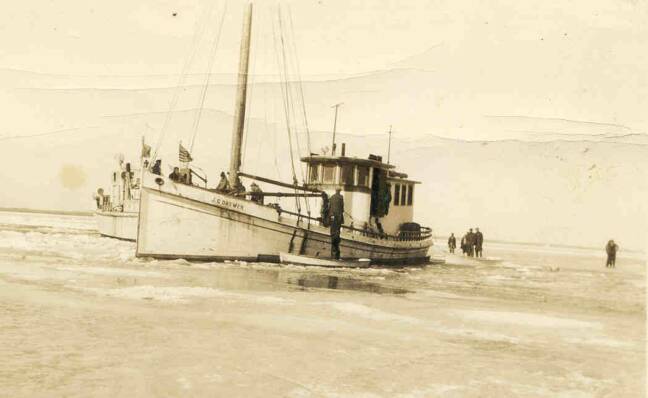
323,198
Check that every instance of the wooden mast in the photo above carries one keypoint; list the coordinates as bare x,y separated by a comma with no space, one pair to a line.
239,106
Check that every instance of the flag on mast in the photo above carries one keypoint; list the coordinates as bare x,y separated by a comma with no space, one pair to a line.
184,156
146,150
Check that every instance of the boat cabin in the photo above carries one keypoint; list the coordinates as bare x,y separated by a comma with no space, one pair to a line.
124,191
375,196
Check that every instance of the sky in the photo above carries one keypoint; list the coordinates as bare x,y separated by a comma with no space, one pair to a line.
577,60
461,69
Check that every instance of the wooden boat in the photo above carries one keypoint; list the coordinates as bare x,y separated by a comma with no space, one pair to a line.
182,220
117,211
287,258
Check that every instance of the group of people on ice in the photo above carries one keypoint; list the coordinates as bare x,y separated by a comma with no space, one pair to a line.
471,243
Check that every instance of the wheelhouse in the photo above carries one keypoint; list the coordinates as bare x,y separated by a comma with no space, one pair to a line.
376,197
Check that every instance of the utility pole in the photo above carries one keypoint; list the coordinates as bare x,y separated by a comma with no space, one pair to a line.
389,143
336,106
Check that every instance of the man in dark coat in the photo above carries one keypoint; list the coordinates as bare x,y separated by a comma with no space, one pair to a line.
452,243
223,184
175,175
464,246
256,193
611,250
470,243
157,167
479,241
324,211
336,212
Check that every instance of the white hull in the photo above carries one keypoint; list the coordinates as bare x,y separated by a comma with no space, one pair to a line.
121,225
182,221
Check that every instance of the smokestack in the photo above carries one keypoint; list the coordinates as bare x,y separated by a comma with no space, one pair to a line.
343,149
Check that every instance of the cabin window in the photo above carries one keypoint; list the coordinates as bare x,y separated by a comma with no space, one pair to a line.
397,195
363,176
314,175
403,195
347,173
328,172
410,194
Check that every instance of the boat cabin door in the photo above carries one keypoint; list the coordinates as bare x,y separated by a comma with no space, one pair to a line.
380,193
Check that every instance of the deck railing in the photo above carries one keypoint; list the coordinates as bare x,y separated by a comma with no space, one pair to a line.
422,234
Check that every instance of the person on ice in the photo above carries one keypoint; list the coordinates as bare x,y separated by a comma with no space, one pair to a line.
452,243
479,242
464,245
470,243
611,250
336,212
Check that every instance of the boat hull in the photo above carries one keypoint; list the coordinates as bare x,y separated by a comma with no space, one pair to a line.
181,221
294,259
120,225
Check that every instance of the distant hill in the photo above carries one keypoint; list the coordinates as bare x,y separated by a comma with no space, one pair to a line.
44,211
537,179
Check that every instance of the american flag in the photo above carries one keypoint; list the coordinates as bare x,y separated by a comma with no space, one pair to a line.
185,156
146,151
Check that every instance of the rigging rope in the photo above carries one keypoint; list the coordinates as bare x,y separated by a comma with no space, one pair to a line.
299,96
203,95
299,82
285,95
198,33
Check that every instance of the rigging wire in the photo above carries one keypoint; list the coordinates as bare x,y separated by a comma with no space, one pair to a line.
296,84
198,33
285,95
290,88
299,81
210,64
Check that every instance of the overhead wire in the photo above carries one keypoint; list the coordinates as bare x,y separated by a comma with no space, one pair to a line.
299,82
203,95
296,86
284,90
199,30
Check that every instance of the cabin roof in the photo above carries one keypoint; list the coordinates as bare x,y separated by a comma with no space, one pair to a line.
346,160
402,180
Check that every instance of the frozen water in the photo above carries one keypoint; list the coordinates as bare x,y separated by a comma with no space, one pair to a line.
82,317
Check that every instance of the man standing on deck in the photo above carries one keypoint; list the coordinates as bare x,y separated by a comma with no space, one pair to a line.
256,193
175,175
157,167
336,211
452,243
479,241
223,184
611,250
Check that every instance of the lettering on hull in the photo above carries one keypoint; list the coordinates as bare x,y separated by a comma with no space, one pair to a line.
230,204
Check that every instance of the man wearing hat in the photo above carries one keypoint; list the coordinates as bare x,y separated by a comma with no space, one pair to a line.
336,212
611,250
479,241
